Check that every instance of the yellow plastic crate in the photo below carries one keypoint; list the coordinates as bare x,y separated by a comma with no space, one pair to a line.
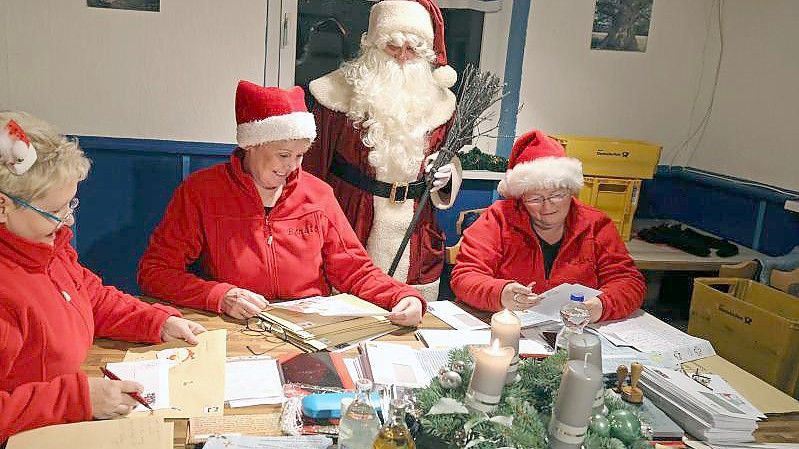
617,197
750,324
617,158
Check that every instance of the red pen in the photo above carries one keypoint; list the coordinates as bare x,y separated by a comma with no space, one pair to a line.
134,395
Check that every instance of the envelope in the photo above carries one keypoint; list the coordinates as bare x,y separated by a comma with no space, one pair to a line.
197,381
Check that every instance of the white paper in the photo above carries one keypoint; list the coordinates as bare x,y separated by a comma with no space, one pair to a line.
548,311
450,313
353,365
152,374
255,442
613,356
448,339
252,381
648,334
401,365
336,305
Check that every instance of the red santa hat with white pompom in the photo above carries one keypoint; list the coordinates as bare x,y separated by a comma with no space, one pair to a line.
419,17
267,114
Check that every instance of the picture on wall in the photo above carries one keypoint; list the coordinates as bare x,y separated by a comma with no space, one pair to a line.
621,25
136,5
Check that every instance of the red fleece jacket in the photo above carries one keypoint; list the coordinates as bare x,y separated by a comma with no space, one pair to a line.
51,308
302,248
501,247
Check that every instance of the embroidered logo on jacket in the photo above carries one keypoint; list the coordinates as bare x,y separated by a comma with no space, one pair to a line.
309,228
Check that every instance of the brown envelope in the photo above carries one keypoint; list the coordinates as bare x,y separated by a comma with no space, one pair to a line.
147,432
197,382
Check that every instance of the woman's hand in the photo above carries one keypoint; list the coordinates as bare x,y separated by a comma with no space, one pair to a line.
181,329
516,296
407,312
594,306
109,398
242,304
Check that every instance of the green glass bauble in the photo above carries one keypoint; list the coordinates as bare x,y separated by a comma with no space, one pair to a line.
624,425
615,443
600,425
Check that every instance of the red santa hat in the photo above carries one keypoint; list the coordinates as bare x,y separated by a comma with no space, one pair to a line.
16,150
419,17
538,161
266,114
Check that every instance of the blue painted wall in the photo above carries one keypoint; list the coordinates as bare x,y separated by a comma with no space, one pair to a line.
132,181
123,199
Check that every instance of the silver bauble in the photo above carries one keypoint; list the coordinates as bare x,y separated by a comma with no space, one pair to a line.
450,379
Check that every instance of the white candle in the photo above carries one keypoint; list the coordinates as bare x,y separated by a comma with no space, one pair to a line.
586,346
572,410
507,327
488,379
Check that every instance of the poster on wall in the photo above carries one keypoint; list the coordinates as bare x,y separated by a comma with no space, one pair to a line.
136,5
621,25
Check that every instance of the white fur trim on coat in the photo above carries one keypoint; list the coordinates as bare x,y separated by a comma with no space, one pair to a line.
333,92
296,125
543,173
443,200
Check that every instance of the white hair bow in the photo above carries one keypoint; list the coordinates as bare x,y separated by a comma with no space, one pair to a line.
16,151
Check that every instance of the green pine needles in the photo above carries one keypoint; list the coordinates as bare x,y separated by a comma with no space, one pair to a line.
528,402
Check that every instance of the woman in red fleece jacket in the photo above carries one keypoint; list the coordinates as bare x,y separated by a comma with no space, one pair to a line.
540,236
51,307
261,228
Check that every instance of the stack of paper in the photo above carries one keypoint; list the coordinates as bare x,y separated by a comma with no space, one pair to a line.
712,412
646,333
251,442
450,313
401,365
252,381
448,339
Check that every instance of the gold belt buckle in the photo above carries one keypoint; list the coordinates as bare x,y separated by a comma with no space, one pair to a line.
393,194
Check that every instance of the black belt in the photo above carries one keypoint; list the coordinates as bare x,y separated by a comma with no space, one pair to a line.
397,192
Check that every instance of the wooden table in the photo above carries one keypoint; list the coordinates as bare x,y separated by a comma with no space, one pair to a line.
778,428
649,256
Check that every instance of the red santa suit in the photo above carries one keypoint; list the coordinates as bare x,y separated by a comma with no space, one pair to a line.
379,222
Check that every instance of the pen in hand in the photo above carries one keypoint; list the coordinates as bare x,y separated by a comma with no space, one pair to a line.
134,395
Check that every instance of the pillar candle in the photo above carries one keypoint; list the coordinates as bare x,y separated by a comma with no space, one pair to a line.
572,410
587,346
488,379
507,327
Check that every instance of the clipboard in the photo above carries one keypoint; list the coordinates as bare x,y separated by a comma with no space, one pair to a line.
197,381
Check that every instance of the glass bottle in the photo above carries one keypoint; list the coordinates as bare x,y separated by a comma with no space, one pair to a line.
395,434
575,316
358,427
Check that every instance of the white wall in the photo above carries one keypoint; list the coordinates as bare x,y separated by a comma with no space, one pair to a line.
568,88
662,94
166,75
754,128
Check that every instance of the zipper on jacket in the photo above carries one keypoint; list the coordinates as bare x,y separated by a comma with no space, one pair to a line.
270,254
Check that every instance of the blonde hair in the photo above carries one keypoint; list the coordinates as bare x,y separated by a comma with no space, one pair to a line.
59,159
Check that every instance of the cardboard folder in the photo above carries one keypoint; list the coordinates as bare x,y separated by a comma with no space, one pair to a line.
313,332
197,381
127,433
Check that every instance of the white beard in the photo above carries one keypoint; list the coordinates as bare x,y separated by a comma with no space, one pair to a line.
391,103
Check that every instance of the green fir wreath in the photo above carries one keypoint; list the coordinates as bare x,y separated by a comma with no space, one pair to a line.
520,420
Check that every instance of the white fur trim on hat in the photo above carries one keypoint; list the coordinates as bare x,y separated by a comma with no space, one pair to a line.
543,173
296,125
445,76
389,16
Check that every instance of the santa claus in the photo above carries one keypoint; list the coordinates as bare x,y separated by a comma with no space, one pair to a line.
381,119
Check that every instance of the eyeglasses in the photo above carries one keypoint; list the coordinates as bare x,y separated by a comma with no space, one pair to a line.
555,198
60,221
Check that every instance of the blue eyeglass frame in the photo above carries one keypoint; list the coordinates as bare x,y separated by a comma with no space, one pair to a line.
73,204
